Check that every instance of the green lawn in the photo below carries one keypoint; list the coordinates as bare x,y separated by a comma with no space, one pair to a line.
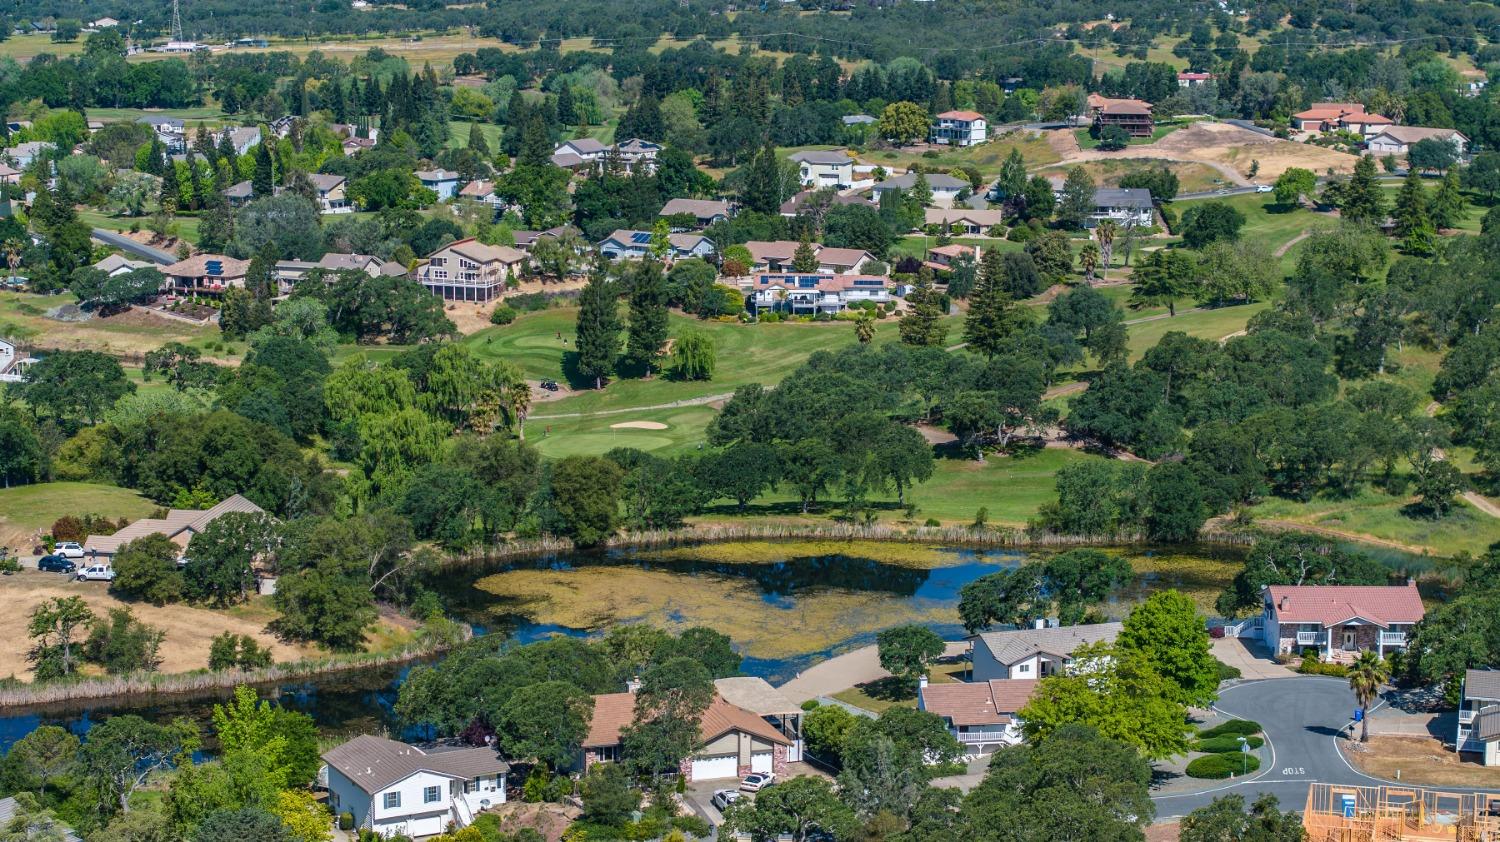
26,509
598,434
187,226
1374,513
986,156
458,134
882,694
209,115
1087,141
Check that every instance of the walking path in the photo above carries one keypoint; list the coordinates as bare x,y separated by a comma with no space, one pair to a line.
844,671
1287,246
1473,498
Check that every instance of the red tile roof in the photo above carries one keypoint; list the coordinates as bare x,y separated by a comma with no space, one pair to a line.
1330,605
961,115
614,711
981,703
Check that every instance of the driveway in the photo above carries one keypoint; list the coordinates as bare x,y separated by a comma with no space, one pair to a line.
1251,657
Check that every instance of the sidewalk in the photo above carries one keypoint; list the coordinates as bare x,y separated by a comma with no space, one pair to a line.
845,671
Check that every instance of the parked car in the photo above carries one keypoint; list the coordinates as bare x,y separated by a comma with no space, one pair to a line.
723,798
55,564
757,781
550,385
69,549
96,573
1263,188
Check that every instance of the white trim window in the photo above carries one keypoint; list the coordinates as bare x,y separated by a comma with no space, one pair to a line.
392,800
432,795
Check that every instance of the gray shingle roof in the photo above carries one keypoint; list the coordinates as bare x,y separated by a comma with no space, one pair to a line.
374,763
821,156
1487,724
1009,647
1122,197
8,812
935,180
1482,684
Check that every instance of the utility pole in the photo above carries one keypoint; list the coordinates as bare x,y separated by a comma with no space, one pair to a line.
176,21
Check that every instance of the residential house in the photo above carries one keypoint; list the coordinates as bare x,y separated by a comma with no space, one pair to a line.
370,133
118,264
811,293
582,151
1398,140
1366,125
468,270
356,145
636,154
9,174
440,181
760,698
1124,205
526,239
942,258
632,245
1034,652
825,168
242,139
1193,80
393,788
1479,716
50,830
970,222
858,120
204,274
1331,116
104,23
1132,115
180,525
171,131
332,195
1339,621
777,256
24,153
241,193
945,188
704,212
732,741
981,715
802,201
960,128
483,192
289,272
282,126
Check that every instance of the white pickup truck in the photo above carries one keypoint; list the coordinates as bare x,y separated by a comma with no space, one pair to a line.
96,573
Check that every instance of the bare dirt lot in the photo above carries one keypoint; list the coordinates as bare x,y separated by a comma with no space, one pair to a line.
1421,761
1228,149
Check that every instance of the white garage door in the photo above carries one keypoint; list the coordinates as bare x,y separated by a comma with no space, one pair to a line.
708,768
760,761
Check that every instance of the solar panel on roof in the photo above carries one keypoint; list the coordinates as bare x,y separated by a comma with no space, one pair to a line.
214,267
640,238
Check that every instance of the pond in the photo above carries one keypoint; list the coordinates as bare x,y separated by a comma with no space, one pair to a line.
785,606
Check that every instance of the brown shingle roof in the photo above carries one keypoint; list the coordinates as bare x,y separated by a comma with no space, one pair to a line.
614,711
483,253
176,521
982,703
699,208
374,763
197,267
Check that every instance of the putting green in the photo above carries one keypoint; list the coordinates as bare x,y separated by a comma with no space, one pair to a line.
596,444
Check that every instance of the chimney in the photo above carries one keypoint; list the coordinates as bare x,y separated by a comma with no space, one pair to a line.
1282,605
1039,623
922,683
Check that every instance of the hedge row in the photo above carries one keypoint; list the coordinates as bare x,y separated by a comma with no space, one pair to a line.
1313,667
1226,743
1217,766
1232,728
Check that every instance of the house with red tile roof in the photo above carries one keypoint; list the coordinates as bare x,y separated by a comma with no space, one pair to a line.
1193,80
960,128
981,715
732,741
1330,116
1339,621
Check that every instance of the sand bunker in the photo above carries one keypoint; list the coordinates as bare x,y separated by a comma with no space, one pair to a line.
638,425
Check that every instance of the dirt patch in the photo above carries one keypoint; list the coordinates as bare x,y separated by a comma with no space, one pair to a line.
468,316
638,425
550,820
1221,143
1064,143
1164,832
1420,760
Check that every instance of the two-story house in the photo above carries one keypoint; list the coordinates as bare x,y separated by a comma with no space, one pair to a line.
171,131
468,270
483,192
393,788
1032,653
632,245
704,212
1123,205
204,274
809,293
242,139
1479,716
634,154
960,128
1193,80
332,192
981,715
732,741
825,168
1339,621
1132,115
579,152
440,181
778,255
944,187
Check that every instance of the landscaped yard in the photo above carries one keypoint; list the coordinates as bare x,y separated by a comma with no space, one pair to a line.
1088,141
879,695
986,156
28,509
23,317
187,226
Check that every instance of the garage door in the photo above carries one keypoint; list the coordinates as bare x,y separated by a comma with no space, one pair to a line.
708,768
760,761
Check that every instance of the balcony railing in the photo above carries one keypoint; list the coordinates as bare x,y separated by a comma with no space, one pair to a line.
1393,638
1465,716
1309,638
980,736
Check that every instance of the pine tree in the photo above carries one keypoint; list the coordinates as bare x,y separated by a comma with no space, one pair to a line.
643,120
374,97
1410,212
203,143
195,182
536,148
215,224
262,183
923,323
805,259
713,110
1448,204
260,277
762,190
598,329
648,315
156,158
336,102
1361,201
170,188
226,149
567,111
477,142
986,325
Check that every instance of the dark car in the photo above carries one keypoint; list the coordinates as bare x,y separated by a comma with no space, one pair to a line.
56,564
550,385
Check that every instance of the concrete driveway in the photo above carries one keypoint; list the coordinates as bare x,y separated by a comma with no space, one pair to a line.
1251,657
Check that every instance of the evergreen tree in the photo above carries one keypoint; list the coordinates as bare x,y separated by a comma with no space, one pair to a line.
262,183
195,182
215,225
477,142
567,110
923,323
643,120
1012,182
989,319
1448,204
337,104
226,150
260,276
169,188
156,157
762,190
1361,201
648,315
1077,200
804,260
1410,212
598,329
536,147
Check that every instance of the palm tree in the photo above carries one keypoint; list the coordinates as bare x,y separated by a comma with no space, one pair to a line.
1366,675
1088,260
518,403
1105,233
864,327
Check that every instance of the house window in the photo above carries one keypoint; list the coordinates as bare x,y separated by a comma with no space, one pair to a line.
1024,668
606,754
440,261
392,800
432,795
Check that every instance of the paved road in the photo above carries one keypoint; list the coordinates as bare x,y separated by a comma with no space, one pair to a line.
114,238
1301,717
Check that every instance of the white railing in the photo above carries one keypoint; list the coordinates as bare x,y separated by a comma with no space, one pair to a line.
1309,638
980,736
1465,716
1393,638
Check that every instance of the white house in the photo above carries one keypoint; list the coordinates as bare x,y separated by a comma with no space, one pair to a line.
960,128
811,293
171,131
583,150
704,212
25,153
104,23
394,788
831,168
242,139
777,256
1193,80
1479,716
628,245
970,221
945,188
981,715
332,195
732,741
1339,620
483,192
636,153
1123,205
1032,653
440,181
1398,140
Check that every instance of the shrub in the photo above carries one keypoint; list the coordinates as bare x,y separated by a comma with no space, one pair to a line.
1217,766
932,521
529,302
346,820
1227,743
1232,728
1311,666
811,704
1226,672
1020,234
503,315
